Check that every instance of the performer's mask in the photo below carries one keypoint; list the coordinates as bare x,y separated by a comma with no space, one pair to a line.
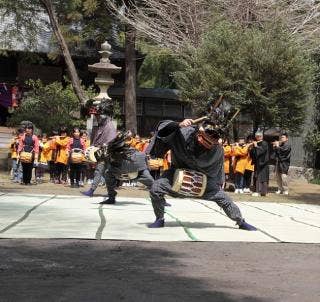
207,138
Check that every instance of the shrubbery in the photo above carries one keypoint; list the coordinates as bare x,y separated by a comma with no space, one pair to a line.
49,107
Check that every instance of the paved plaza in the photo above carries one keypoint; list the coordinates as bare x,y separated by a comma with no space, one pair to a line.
62,217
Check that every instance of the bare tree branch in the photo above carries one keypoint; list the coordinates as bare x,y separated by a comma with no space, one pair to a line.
175,23
172,23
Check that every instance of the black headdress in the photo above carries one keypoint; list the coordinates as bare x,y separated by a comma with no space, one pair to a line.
104,108
218,119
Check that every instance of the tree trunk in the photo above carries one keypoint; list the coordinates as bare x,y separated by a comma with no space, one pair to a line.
131,81
75,81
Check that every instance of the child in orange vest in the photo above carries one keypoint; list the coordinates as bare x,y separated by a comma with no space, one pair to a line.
76,143
61,160
240,152
85,167
249,167
16,165
227,160
44,156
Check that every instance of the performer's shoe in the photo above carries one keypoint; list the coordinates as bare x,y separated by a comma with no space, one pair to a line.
167,204
88,193
159,223
246,226
108,201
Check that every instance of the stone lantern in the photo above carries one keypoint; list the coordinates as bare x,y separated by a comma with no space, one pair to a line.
104,70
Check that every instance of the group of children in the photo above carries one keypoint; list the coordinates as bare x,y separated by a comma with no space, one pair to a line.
238,164
62,156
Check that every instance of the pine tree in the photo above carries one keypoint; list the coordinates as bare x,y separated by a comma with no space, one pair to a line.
264,72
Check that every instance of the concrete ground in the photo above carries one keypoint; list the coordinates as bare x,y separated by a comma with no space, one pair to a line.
37,270
252,266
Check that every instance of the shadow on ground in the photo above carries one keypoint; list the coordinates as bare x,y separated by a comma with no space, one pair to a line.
308,198
82,271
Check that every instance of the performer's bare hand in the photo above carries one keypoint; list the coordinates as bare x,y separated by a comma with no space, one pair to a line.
255,144
185,123
276,144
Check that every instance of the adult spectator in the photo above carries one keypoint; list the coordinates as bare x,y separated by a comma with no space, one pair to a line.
260,158
282,150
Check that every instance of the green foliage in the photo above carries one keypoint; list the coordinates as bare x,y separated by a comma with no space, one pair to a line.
158,67
315,181
312,140
261,71
48,107
80,21
26,26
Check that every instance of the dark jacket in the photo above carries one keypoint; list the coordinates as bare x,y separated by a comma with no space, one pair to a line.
186,152
260,160
137,162
283,153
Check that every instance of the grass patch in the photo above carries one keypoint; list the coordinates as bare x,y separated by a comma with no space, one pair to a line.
315,181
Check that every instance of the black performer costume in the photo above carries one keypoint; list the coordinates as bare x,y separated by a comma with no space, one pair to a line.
121,160
188,153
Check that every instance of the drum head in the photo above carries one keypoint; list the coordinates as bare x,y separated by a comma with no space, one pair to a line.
90,154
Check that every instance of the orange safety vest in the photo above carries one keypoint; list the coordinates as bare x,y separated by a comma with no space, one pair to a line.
62,153
240,154
227,158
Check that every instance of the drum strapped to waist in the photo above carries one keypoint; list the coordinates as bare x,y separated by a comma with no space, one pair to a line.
155,164
128,176
189,183
26,157
89,154
76,156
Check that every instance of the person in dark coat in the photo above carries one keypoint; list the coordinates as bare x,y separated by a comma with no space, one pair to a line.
123,163
105,132
260,158
282,150
192,148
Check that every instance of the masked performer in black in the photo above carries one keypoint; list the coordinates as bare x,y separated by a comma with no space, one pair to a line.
123,162
193,148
